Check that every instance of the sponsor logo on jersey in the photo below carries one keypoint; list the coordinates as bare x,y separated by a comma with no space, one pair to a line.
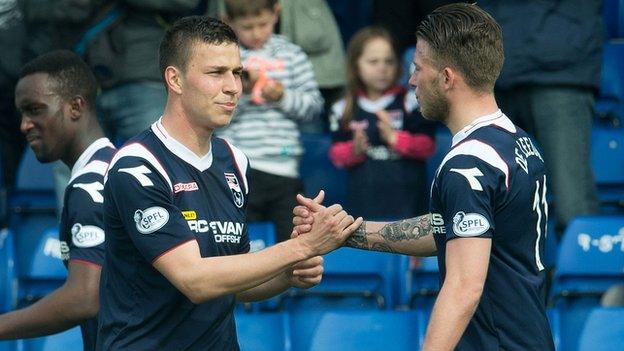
437,224
87,235
56,248
223,232
189,214
234,185
150,219
469,224
185,187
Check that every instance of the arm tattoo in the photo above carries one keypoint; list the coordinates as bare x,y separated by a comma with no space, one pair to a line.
407,230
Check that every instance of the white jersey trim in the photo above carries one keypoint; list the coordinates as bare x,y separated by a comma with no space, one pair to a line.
202,163
86,155
138,150
95,166
497,118
241,162
482,151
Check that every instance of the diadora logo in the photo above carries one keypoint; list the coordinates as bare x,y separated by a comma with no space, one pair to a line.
224,232
192,186
234,185
469,224
437,224
151,219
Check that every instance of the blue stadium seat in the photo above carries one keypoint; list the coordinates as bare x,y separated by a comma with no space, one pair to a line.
610,103
263,331
11,345
360,330
590,260
424,288
604,330
68,340
613,14
353,279
607,156
8,282
407,67
317,171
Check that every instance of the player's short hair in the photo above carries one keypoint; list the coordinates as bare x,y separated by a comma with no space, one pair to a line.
68,71
467,38
176,45
243,8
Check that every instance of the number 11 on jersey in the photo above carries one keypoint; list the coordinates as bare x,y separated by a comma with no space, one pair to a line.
540,206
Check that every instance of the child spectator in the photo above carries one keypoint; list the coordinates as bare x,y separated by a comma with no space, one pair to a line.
279,91
377,134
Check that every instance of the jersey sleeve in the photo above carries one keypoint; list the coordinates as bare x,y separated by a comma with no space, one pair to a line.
85,221
143,201
468,190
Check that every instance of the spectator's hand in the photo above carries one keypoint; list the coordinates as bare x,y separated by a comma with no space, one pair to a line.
250,77
331,226
360,142
273,91
386,130
306,274
302,216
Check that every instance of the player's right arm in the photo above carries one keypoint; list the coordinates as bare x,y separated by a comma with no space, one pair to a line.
141,195
412,236
72,303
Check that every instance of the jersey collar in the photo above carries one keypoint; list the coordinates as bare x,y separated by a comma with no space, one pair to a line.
88,153
201,163
497,118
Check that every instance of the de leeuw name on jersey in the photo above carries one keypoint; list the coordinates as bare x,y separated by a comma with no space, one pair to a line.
150,219
223,231
469,224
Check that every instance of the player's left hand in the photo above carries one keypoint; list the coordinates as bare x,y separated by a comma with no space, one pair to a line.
306,274
273,91
386,130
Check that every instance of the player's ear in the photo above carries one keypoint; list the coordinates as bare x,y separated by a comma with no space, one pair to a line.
449,77
173,78
76,106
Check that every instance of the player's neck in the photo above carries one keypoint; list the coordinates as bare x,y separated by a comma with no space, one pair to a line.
83,139
468,108
179,127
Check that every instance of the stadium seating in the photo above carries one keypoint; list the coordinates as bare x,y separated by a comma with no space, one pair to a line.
610,103
263,331
317,171
353,279
67,340
590,260
424,285
354,330
604,330
607,156
614,18
7,271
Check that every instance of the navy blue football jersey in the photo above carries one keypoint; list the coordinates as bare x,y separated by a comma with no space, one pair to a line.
81,232
492,184
159,195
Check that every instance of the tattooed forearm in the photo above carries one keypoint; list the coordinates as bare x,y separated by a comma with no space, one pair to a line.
358,238
400,236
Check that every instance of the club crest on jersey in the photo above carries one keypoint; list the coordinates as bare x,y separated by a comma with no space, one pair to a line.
150,219
469,224
234,185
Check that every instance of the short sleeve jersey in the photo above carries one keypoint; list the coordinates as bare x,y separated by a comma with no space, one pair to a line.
492,184
81,232
159,195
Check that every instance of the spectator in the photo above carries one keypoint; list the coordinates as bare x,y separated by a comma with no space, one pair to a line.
553,52
378,135
279,91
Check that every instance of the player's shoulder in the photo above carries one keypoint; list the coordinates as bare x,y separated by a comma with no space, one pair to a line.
141,158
